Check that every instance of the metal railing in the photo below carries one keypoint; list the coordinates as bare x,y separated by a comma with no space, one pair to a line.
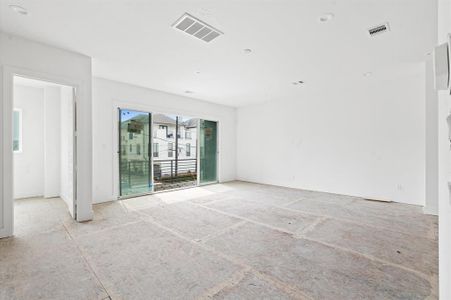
137,171
167,174
174,169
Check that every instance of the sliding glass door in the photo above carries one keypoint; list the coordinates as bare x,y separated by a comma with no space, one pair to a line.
174,151
159,152
134,149
208,151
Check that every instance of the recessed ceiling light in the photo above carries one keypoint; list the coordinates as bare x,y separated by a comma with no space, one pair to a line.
19,9
188,92
197,72
297,82
367,74
247,51
326,17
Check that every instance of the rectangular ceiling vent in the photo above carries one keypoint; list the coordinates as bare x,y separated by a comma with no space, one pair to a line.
195,27
379,29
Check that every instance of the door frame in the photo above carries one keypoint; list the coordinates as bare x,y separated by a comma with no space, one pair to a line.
7,182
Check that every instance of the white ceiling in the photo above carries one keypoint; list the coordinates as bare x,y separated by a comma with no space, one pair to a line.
133,42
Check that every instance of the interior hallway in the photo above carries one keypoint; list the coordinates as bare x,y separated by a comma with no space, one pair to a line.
233,240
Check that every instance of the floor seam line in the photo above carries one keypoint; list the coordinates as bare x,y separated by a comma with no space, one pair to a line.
210,202
208,237
291,202
246,219
347,221
230,282
87,263
367,256
311,227
282,206
106,229
281,285
203,239
205,205
222,255
322,219
424,276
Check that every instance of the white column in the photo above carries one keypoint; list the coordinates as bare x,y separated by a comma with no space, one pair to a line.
432,123
444,100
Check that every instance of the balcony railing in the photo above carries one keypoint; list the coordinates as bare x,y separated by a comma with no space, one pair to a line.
170,168
167,173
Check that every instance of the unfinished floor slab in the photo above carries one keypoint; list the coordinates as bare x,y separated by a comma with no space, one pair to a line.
290,220
46,266
318,270
191,221
226,241
143,261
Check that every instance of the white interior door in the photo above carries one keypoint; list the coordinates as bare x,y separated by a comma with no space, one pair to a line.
68,143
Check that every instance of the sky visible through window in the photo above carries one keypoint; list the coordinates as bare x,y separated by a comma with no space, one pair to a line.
129,114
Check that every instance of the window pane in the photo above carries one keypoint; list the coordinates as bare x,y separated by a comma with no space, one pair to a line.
135,171
208,146
188,149
170,149
155,150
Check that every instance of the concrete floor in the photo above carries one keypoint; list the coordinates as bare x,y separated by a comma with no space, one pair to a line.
225,241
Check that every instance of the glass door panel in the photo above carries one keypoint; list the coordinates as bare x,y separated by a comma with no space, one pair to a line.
134,158
208,151
174,151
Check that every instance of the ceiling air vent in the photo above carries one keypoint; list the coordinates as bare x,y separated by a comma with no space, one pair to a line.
196,28
379,29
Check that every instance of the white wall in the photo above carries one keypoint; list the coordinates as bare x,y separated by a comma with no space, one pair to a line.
29,163
37,166
366,140
56,65
52,141
109,95
444,100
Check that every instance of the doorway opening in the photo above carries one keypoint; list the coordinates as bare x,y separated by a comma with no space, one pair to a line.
43,127
161,152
